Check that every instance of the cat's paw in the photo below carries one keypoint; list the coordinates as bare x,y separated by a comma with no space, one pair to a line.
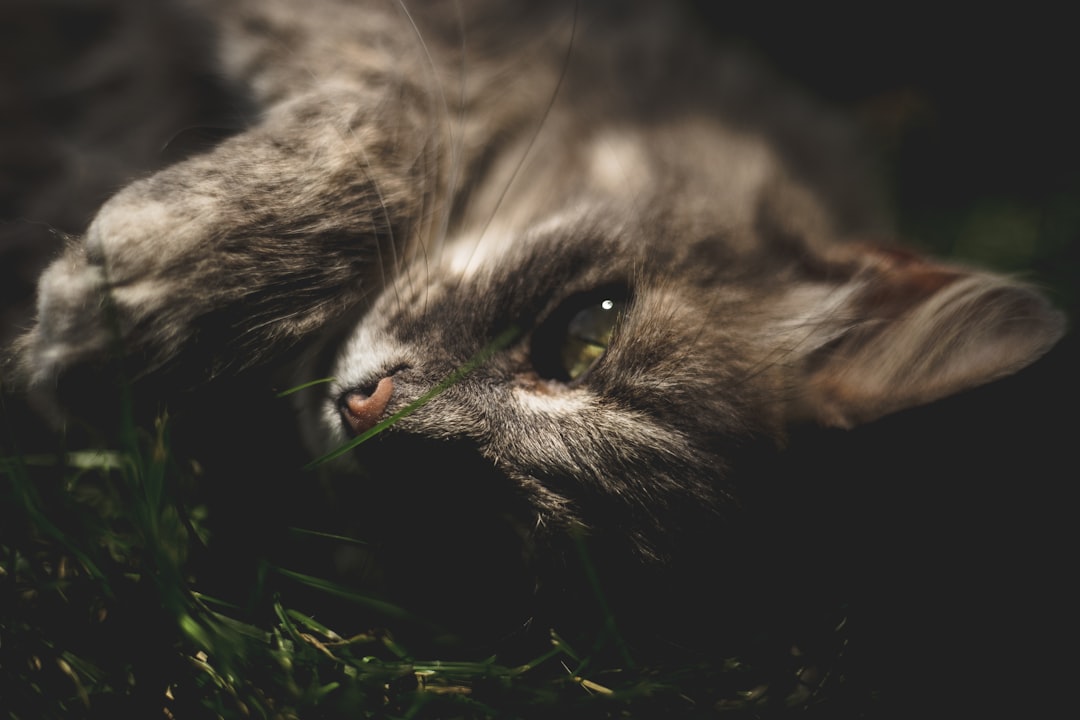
127,288
71,324
221,261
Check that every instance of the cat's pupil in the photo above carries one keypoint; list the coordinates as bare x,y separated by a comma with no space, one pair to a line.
588,335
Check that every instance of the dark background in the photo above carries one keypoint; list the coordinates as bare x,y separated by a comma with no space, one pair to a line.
975,115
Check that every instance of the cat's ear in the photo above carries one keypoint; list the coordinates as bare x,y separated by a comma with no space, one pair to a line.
896,330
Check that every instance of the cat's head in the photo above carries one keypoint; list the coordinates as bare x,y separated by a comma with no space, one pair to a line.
605,368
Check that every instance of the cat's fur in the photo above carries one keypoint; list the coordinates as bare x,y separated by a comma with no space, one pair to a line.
418,178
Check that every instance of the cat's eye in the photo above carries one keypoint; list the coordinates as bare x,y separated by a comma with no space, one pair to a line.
572,341
588,335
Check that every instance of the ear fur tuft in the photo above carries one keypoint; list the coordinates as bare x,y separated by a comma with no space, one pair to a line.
915,331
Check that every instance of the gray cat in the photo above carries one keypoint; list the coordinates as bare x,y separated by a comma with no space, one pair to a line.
620,255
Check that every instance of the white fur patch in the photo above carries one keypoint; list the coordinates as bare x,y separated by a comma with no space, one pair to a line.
143,297
468,254
364,358
564,403
66,284
134,233
618,164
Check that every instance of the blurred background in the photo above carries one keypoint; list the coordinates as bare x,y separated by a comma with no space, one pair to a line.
975,115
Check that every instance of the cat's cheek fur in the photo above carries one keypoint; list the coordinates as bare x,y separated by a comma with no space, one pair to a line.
585,461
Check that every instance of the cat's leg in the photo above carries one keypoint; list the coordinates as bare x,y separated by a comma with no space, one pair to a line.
238,253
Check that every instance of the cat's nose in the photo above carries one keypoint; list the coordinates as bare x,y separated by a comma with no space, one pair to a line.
361,410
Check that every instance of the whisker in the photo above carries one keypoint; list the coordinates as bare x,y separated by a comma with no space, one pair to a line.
563,69
442,118
363,162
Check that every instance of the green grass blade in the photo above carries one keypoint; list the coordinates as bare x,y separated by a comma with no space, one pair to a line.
503,340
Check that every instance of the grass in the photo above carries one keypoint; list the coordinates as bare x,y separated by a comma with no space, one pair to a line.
100,616
104,613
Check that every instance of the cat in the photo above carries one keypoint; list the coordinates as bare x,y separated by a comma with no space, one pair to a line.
590,267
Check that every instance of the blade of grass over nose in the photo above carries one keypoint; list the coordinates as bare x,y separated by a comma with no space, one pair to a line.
503,340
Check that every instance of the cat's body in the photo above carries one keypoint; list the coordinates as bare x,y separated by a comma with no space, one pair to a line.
420,181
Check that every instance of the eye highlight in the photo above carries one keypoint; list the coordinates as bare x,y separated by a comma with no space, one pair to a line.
573,338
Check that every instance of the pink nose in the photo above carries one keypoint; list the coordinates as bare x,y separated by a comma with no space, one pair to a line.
362,411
